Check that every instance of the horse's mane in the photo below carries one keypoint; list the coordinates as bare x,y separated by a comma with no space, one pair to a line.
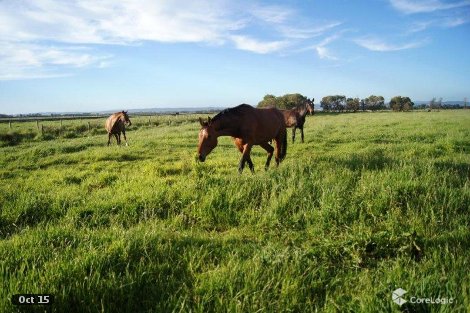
235,111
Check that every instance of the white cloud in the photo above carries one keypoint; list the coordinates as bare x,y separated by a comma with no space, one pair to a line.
375,44
307,32
45,32
324,53
426,6
419,26
253,45
454,22
21,60
272,14
321,48
447,22
111,22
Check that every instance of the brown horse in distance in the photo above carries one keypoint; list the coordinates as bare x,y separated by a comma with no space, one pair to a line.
296,117
115,124
248,127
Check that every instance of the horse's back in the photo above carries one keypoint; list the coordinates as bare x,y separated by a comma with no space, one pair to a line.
110,124
273,114
270,121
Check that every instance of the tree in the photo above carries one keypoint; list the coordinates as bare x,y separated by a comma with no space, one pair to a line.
374,103
435,104
268,101
287,101
352,104
439,104
333,103
400,103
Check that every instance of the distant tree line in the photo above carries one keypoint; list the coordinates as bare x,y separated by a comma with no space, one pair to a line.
339,103
287,101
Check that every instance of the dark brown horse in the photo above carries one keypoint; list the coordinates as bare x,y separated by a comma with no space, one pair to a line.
296,117
248,127
115,124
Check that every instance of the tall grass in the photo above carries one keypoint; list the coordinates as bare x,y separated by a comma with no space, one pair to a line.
369,203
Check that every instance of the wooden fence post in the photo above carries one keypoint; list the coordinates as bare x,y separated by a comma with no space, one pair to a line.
89,127
37,124
9,124
42,129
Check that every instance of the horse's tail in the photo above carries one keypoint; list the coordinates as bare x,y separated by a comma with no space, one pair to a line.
283,138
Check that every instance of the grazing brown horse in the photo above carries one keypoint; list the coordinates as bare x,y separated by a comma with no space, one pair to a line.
115,124
296,117
248,127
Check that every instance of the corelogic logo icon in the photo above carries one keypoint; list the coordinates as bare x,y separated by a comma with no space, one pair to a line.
397,296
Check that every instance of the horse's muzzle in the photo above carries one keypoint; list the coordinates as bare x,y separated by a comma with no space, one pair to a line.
201,158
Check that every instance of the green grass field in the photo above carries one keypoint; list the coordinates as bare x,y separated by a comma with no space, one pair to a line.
369,203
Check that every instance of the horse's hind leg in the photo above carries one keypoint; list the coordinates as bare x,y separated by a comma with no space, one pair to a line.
270,151
293,133
277,155
302,133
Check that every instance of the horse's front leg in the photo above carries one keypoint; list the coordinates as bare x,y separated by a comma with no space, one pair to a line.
302,133
124,134
117,138
246,158
293,133
109,138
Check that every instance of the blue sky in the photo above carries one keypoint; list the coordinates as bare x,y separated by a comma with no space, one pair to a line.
86,55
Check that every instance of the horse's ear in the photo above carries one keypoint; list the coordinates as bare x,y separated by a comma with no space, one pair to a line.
202,122
209,120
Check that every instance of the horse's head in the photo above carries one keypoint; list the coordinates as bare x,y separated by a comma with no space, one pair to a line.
207,139
125,118
310,106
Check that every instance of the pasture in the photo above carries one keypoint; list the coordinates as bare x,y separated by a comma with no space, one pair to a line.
369,203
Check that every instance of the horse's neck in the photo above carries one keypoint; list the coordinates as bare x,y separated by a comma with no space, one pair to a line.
119,121
302,110
224,129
